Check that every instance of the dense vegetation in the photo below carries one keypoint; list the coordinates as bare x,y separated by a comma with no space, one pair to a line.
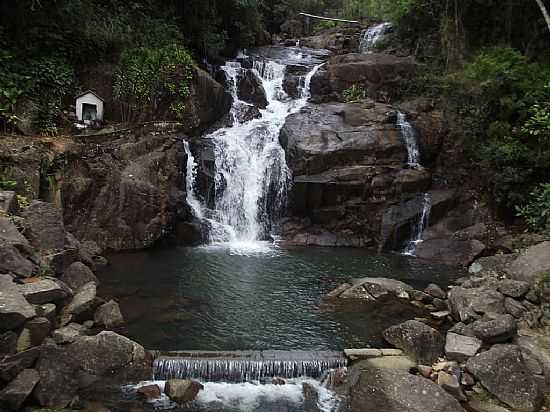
487,62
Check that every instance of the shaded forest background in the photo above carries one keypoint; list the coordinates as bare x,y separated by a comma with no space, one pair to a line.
486,62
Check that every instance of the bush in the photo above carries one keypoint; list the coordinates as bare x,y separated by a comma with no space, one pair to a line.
146,78
537,211
354,94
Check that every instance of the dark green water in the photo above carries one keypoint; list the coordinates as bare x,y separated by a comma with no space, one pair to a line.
212,298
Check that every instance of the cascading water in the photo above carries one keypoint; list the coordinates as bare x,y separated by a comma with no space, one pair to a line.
251,176
418,229
190,175
371,36
409,137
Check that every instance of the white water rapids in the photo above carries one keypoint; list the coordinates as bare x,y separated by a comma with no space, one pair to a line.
251,176
371,36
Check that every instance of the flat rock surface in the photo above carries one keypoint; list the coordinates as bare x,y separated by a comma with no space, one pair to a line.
532,263
14,308
502,371
390,390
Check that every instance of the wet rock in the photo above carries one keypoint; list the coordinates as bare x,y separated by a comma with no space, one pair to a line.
502,371
182,391
11,261
19,389
397,391
311,397
109,315
14,308
149,392
68,334
466,304
250,89
416,339
77,275
83,303
44,226
379,74
8,343
495,328
11,366
450,251
435,291
532,263
513,288
460,348
278,381
43,291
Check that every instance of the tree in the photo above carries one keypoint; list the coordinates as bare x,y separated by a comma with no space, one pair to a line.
544,12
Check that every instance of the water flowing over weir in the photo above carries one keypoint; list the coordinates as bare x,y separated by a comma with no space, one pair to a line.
251,176
246,366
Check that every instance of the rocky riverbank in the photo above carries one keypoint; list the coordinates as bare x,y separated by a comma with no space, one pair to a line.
483,347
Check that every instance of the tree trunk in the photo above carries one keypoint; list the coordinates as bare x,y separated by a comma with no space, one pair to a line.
544,12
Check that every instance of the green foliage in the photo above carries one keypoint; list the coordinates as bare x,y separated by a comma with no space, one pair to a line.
500,107
22,200
7,184
148,77
354,93
537,211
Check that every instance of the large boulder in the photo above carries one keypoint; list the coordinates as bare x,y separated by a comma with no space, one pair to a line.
77,275
44,291
494,328
468,304
208,102
416,339
391,390
536,347
83,304
33,334
44,226
452,252
461,348
502,371
105,352
12,365
250,89
532,263
129,194
14,308
182,391
109,315
19,389
11,261
381,75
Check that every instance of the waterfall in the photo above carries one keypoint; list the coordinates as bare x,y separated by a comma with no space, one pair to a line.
419,227
190,175
251,176
409,137
247,366
371,36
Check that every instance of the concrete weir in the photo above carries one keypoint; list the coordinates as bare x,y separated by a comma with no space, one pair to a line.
242,366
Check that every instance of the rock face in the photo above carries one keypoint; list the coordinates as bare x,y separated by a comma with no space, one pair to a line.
109,315
11,261
77,275
469,304
392,390
381,75
495,328
416,339
182,391
19,389
251,90
44,224
532,263
126,195
14,308
208,102
43,291
83,303
503,372
461,348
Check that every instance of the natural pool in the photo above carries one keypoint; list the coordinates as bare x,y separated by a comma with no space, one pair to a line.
255,296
